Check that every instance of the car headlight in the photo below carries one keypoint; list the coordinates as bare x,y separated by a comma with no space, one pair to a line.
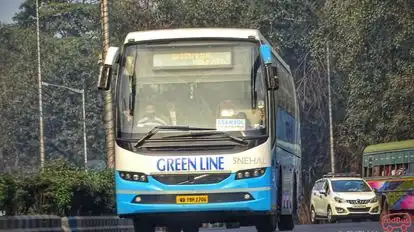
339,200
373,200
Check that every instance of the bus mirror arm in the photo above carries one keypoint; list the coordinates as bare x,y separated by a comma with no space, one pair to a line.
272,78
275,78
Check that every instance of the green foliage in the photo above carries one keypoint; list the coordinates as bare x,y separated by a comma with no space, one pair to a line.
60,189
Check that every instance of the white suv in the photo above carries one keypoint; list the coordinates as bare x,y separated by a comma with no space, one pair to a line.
343,196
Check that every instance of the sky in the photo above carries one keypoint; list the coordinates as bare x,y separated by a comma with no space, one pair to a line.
8,8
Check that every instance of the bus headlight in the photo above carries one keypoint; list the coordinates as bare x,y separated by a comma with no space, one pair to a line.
134,176
250,173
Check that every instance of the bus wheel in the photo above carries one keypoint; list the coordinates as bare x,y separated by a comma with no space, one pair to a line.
142,226
174,228
191,228
266,224
286,223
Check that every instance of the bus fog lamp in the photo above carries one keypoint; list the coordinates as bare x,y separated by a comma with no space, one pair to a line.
138,199
246,196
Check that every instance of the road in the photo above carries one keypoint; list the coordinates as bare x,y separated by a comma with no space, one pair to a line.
336,227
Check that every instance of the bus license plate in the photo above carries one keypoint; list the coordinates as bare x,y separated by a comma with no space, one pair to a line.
192,199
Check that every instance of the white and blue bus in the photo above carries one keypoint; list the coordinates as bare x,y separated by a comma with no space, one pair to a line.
207,130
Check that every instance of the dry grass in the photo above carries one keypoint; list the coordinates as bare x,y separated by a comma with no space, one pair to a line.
304,213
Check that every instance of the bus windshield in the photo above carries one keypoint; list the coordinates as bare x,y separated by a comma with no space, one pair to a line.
350,186
206,84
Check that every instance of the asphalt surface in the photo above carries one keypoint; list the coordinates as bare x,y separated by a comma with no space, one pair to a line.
335,227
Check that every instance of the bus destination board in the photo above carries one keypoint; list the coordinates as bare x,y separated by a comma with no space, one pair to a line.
191,59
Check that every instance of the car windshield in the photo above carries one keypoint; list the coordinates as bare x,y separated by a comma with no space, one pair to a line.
204,84
350,186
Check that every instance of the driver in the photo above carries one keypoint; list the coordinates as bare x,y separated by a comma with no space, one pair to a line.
150,119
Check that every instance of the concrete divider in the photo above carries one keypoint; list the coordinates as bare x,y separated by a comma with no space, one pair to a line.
97,223
39,223
50,223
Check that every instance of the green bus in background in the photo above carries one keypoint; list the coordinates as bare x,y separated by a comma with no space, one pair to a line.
389,169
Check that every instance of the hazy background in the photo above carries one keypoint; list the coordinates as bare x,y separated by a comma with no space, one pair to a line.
8,8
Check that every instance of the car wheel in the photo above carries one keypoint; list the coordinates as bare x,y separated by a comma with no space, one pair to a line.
313,216
330,216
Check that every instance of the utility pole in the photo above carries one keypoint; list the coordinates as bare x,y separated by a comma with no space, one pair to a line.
80,91
85,146
39,75
330,110
110,140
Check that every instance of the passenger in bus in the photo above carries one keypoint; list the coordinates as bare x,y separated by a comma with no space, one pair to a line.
226,109
150,118
172,111
400,171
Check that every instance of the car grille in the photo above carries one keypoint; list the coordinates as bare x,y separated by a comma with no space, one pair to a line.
358,210
189,179
358,202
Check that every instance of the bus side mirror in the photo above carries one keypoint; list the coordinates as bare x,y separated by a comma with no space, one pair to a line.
105,72
271,71
275,79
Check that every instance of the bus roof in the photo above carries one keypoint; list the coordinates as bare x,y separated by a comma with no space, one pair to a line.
194,33
392,146
183,33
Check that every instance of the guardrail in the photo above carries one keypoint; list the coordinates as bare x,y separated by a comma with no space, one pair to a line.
50,223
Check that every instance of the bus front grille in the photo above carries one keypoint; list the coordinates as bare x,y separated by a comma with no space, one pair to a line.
190,179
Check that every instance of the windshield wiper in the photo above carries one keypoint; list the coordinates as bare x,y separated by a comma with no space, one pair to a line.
209,133
155,130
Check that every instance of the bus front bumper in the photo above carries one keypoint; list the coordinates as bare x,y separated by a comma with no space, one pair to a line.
246,195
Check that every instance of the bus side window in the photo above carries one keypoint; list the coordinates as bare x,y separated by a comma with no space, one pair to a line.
376,171
387,170
410,168
369,172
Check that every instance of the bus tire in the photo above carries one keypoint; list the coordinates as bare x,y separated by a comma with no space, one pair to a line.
286,223
191,228
266,224
174,228
142,226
